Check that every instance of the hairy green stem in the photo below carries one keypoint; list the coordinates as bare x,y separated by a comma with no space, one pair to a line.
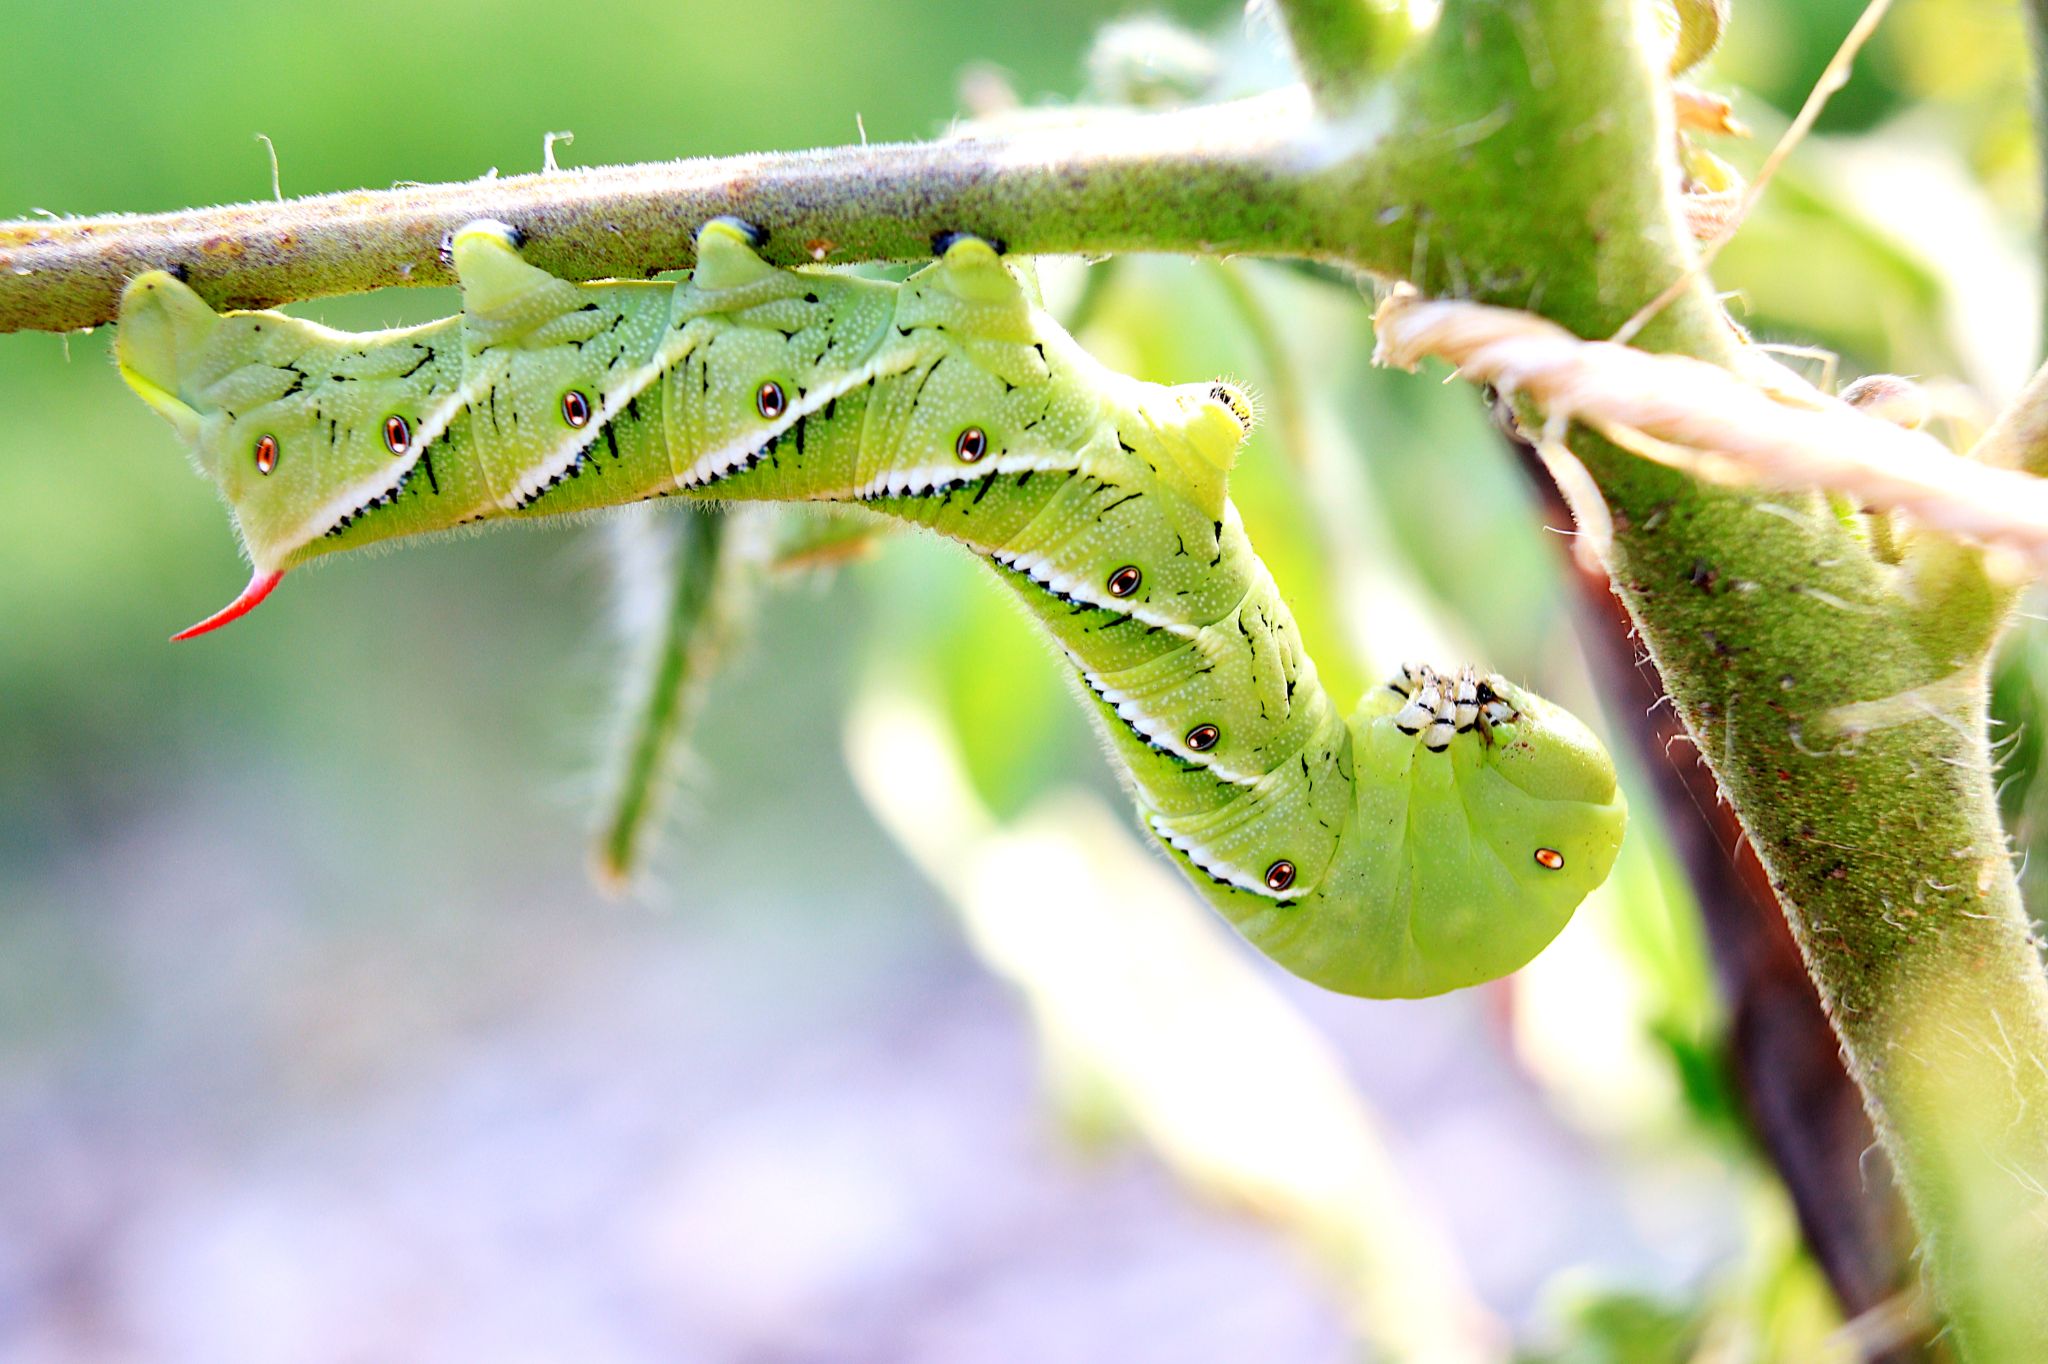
1842,719
1141,182
1522,155
688,637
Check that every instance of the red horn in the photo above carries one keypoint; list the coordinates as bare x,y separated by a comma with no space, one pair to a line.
260,584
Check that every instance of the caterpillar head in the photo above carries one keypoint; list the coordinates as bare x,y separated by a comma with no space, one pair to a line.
1232,400
1202,426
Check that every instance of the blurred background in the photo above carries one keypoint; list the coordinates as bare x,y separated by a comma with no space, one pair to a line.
317,1042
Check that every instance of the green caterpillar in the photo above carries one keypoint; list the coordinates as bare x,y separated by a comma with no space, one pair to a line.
1440,837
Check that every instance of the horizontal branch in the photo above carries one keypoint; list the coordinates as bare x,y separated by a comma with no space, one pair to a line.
1256,176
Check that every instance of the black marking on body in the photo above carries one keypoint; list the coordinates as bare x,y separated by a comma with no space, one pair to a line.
764,452
389,497
942,242
923,379
945,491
1185,763
1189,858
1068,599
574,470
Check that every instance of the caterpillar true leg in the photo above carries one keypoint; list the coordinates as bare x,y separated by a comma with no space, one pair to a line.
1439,836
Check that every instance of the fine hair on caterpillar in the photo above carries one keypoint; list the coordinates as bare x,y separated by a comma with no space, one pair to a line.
1439,836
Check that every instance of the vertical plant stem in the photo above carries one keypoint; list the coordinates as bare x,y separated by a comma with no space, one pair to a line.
1805,1111
1843,722
690,636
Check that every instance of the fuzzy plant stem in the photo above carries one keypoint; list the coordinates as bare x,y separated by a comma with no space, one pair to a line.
1139,182
686,638
1838,699
1805,1111
1519,154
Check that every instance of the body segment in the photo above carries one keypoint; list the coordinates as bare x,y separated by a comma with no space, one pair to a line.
1440,836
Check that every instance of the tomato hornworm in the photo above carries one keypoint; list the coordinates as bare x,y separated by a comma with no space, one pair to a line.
1438,837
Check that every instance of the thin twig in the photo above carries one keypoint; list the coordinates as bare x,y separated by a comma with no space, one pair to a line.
1832,78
